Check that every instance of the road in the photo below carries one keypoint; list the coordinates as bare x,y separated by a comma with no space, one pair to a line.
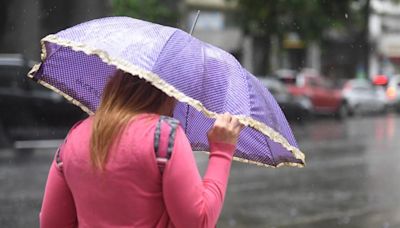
351,180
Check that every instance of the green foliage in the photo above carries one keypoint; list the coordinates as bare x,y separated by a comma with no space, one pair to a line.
149,10
308,18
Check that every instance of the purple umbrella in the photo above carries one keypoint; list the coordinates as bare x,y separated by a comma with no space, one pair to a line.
77,62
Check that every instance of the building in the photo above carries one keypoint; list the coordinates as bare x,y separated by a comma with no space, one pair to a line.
384,35
24,23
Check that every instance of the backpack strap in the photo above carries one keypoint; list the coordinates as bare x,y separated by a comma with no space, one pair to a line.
58,157
164,138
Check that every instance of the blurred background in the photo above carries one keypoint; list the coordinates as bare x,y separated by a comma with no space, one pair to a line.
333,66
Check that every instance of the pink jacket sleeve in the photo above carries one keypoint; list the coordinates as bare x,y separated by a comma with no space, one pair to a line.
191,201
58,208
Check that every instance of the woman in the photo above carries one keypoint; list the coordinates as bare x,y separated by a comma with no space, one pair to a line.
106,174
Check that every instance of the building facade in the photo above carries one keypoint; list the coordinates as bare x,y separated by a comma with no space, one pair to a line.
24,23
384,36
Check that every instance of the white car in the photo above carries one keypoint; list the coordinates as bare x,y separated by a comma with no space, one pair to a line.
362,97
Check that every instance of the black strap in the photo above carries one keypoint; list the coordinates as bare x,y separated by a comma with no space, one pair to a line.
163,158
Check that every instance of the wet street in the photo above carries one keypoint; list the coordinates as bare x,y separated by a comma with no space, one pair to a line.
351,180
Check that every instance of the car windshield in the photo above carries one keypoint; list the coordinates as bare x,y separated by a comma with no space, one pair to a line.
289,81
360,83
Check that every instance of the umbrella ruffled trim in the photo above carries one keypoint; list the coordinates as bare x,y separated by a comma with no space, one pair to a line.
156,81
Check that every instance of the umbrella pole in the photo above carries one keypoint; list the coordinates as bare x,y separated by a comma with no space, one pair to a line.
195,21
191,32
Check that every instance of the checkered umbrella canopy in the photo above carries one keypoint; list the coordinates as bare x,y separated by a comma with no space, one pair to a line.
78,61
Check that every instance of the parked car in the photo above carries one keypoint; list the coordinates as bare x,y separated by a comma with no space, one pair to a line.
393,92
28,110
294,108
362,97
324,97
287,76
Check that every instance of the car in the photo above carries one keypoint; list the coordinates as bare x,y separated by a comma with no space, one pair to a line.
294,108
393,92
362,97
325,98
287,76
30,111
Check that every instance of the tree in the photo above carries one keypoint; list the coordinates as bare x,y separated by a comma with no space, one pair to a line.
309,19
156,11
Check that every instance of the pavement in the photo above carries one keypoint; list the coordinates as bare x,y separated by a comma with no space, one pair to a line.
351,180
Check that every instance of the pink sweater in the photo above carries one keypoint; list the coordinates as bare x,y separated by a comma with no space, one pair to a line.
131,192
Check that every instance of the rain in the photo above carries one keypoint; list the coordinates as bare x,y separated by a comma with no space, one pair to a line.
333,67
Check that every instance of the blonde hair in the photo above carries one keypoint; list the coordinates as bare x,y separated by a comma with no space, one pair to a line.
124,96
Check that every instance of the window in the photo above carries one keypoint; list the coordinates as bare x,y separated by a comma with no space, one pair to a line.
210,20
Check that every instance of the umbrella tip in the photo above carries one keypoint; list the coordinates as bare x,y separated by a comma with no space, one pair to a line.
194,22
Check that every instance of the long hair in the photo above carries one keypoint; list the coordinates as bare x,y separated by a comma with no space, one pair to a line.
124,96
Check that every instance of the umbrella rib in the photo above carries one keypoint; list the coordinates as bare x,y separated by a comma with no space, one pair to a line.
187,118
272,155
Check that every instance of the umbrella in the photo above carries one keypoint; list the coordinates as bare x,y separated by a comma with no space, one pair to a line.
205,80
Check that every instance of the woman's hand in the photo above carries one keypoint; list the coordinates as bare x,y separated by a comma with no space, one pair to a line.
226,129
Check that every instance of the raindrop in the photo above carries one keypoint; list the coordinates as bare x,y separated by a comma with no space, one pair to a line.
345,220
386,225
346,16
232,222
293,212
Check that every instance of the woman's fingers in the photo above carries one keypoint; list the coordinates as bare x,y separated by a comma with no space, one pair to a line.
227,117
226,129
236,125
